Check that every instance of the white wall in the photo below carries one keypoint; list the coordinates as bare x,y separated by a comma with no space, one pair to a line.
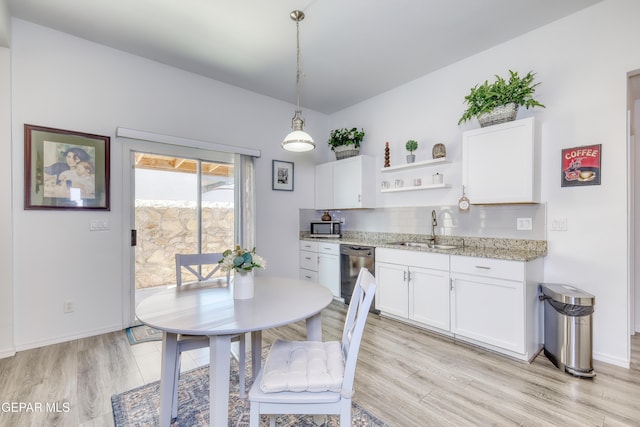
582,62
6,234
69,83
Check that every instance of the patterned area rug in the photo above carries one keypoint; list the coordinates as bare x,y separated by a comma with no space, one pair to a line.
139,407
143,333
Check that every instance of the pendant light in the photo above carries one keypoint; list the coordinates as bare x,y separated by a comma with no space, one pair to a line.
298,140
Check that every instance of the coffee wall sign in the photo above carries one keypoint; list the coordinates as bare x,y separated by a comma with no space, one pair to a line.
581,165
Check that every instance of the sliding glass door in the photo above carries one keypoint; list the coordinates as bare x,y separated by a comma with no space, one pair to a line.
182,205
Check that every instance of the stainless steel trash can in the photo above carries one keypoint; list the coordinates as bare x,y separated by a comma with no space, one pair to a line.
568,323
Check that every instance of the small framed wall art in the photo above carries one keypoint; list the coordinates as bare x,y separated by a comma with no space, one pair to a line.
581,166
282,175
65,169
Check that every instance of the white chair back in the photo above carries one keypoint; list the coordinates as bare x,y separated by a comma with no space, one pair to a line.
361,300
189,261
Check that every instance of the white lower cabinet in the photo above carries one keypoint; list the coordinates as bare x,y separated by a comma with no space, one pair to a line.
414,286
488,302
329,266
495,303
429,302
320,263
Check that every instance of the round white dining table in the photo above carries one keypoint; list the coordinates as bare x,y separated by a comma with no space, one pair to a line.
209,310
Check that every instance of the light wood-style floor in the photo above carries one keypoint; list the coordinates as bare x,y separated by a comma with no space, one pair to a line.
405,376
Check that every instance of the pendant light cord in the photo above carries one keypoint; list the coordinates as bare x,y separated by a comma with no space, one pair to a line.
298,63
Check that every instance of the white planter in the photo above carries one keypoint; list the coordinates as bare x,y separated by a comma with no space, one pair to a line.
243,285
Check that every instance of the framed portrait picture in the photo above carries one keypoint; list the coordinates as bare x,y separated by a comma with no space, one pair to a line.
581,166
282,178
65,169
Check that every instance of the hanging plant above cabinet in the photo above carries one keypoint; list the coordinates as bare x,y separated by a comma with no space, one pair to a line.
498,102
345,142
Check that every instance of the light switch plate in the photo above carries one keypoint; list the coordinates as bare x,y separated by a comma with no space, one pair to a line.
559,224
99,225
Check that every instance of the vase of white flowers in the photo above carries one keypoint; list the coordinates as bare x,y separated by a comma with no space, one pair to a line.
242,262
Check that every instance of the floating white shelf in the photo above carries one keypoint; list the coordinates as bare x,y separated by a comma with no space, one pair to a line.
415,165
414,187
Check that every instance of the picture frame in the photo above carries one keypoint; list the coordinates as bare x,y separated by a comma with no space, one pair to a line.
65,169
282,175
581,166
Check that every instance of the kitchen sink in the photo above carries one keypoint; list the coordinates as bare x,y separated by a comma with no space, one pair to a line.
424,245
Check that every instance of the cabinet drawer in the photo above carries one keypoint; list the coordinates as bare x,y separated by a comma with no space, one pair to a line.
328,248
309,260
309,275
414,258
306,245
488,267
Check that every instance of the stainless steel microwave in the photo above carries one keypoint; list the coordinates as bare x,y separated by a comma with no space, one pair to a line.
325,229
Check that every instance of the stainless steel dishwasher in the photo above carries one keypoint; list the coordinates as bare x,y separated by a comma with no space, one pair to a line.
352,259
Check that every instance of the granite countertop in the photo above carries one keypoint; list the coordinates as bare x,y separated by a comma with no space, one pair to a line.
480,247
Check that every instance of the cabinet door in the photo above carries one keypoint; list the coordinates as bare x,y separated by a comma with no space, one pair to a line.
324,186
498,164
488,310
354,182
329,272
392,293
429,297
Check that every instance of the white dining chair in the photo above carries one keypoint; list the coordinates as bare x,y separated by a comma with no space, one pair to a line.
314,377
194,263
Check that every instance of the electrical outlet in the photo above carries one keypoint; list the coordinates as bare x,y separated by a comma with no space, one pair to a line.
524,224
68,306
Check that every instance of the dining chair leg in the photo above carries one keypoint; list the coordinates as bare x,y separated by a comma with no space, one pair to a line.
242,367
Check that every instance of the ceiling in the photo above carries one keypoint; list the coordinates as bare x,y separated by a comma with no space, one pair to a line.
350,50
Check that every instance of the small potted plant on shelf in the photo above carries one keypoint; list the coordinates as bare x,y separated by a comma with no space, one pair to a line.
411,146
498,102
345,142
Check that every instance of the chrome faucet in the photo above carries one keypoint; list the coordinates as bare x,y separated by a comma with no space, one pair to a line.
434,224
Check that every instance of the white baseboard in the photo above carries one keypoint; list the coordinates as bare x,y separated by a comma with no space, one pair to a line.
9,352
61,339
623,363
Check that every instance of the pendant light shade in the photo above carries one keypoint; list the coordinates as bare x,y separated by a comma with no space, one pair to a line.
298,140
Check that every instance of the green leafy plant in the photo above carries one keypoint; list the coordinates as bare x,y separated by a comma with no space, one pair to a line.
411,146
241,260
484,98
345,136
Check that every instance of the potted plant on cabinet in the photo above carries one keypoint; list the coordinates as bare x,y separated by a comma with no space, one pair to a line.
345,142
411,146
498,102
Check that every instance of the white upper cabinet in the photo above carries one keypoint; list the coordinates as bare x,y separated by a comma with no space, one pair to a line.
324,186
498,164
346,184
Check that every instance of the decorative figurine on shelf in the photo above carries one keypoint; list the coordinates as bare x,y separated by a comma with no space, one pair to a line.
387,160
439,151
411,146
326,216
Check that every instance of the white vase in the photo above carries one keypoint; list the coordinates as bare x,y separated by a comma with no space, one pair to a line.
243,285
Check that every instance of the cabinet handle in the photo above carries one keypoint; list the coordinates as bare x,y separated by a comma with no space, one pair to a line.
409,276
483,267
359,198
450,284
405,276
308,277
307,257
